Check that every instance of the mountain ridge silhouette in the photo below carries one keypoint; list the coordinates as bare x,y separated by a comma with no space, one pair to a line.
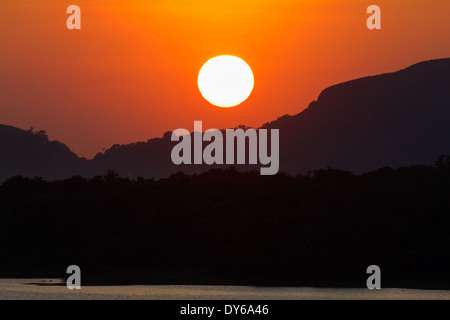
393,119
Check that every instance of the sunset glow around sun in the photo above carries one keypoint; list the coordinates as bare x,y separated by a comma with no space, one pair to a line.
225,81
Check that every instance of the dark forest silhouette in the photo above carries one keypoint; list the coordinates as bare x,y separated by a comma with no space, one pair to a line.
225,226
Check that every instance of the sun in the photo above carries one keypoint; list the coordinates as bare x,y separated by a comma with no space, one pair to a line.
225,81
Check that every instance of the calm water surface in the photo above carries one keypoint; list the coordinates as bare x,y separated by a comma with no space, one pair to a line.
51,289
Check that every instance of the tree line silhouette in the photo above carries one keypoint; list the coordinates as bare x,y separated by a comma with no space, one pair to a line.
230,227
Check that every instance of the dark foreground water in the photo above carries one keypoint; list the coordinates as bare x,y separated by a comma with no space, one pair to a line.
54,289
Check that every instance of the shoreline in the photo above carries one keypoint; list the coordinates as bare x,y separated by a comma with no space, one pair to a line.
54,289
163,281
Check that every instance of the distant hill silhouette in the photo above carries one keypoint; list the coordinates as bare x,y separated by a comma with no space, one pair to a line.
395,119
31,154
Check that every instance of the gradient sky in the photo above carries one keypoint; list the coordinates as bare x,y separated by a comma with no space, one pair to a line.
131,73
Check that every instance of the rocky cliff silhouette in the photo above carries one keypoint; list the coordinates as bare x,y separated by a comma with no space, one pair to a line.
394,119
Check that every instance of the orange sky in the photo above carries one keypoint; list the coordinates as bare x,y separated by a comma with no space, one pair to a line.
131,73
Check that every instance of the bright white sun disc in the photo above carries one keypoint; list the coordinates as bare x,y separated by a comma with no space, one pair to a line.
225,81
